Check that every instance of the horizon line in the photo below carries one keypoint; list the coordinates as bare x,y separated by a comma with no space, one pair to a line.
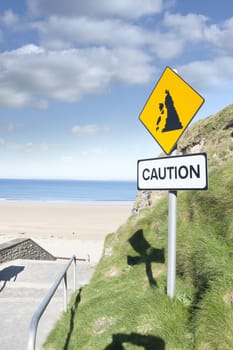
65,179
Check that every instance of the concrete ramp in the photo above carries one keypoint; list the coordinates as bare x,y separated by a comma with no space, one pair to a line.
23,285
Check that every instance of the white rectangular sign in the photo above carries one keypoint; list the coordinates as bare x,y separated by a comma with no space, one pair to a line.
184,172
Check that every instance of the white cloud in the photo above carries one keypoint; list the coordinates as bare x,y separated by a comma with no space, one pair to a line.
15,127
11,96
87,130
11,127
27,147
165,42
221,36
167,45
9,18
198,29
96,151
13,23
62,32
101,8
175,34
190,27
83,53
209,75
41,104
32,74
132,66
26,50
82,130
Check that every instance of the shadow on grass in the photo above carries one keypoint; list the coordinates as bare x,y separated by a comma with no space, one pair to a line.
72,315
147,342
147,255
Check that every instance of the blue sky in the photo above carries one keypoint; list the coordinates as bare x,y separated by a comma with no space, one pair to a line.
75,75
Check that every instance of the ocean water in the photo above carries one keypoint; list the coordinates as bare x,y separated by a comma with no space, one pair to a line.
67,190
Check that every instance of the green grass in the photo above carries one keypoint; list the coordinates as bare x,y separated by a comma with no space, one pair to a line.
125,305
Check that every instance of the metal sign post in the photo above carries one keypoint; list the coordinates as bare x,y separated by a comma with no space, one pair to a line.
171,259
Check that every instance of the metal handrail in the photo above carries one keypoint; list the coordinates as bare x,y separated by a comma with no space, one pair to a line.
40,310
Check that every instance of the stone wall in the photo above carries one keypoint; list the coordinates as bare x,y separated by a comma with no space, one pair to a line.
23,248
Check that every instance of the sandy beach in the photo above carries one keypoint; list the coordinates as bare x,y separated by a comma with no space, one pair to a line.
63,228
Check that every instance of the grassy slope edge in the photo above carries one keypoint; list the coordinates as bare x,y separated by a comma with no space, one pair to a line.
125,305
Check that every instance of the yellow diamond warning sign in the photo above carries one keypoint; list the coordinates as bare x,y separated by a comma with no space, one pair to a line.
169,109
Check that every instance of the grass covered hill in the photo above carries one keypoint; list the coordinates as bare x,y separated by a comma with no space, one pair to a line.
125,306
213,135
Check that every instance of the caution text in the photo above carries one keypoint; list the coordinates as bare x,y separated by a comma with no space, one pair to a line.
172,172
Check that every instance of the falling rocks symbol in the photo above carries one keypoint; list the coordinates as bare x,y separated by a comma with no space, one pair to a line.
172,120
